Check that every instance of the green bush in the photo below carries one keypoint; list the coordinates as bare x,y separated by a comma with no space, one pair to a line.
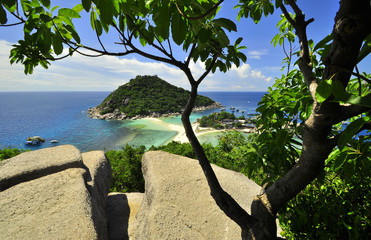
126,169
335,209
6,153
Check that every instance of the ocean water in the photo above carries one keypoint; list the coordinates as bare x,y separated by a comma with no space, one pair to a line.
63,116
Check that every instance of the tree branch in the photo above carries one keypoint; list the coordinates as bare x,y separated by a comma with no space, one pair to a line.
215,57
11,24
351,72
150,42
100,42
190,54
316,129
300,26
225,202
348,111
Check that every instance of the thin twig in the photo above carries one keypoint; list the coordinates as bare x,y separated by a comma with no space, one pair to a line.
12,24
353,73
359,82
215,57
100,42
190,54
150,42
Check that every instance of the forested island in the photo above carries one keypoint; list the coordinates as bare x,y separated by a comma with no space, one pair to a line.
147,96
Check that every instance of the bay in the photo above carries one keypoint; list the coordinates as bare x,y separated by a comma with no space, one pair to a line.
63,116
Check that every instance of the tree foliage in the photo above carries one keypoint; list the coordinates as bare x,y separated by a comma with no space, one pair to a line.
217,120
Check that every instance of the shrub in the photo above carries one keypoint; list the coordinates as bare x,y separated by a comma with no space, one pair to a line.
126,169
9,152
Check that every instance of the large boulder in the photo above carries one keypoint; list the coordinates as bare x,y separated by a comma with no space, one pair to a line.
177,203
54,193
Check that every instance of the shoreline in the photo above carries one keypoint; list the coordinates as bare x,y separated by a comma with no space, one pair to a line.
95,113
181,136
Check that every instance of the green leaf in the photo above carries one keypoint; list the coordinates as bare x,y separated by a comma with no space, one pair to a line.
73,33
337,89
106,12
223,39
162,21
277,3
242,56
3,18
78,8
204,35
142,40
98,27
323,42
45,3
66,12
290,36
365,50
351,130
10,5
225,23
238,41
355,99
93,17
45,18
86,4
57,44
54,8
323,91
178,28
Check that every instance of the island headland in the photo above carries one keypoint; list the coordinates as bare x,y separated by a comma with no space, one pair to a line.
147,96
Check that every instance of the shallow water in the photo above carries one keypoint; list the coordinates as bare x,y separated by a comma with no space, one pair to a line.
63,116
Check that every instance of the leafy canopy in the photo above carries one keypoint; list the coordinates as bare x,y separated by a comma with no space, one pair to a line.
160,24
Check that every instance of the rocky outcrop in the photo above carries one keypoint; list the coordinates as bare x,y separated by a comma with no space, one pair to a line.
95,112
177,203
54,193
58,193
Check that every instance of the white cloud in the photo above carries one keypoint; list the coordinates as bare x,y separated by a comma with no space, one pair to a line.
243,71
106,73
257,54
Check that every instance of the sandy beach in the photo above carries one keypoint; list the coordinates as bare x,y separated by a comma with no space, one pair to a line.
181,136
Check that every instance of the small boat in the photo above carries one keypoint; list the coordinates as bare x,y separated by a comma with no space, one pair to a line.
237,110
232,108
54,141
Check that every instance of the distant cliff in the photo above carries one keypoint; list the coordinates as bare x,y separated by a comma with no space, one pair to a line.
147,96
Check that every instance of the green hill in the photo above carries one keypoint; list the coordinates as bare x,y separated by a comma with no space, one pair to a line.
146,96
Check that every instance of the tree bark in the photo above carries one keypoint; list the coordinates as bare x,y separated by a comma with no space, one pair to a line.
352,25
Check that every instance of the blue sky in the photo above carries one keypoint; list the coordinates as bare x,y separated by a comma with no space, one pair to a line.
80,73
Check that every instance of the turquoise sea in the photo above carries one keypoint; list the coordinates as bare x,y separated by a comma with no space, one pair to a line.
62,116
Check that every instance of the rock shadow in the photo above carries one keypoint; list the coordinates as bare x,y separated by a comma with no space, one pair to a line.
118,213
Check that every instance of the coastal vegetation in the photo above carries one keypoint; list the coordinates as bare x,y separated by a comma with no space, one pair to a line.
148,95
222,120
6,153
320,89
